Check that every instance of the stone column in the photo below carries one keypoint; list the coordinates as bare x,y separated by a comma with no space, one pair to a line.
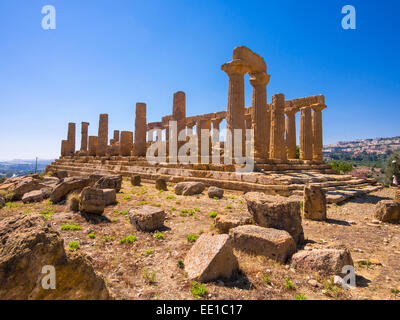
139,148
116,136
102,140
203,124
259,82
306,138
71,139
126,142
64,147
84,136
277,141
92,145
291,132
179,112
317,131
236,70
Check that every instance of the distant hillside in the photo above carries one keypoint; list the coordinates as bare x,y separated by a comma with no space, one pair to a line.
370,152
21,167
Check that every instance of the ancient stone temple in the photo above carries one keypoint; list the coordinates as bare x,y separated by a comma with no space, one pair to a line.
272,127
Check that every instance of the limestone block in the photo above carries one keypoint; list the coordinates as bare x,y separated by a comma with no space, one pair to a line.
387,211
189,188
135,180
68,185
225,222
92,201
161,184
314,203
272,243
276,212
33,196
330,261
109,196
109,182
147,218
215,192
210,258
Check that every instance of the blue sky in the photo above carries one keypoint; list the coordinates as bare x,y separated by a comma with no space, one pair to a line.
105,56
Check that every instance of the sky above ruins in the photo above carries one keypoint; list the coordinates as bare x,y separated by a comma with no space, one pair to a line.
104,56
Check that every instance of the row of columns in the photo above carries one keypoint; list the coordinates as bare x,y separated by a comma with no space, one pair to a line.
273,136
121,143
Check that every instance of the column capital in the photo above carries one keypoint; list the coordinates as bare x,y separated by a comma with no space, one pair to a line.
261,78
291,110
216,120
236,66
318,106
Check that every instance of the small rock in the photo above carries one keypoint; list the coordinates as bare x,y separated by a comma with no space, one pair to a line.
135,180
189,188
161,184
215,192
313,283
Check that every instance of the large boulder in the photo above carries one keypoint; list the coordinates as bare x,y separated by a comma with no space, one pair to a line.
27,244
109,196
147,218
387,211
272,243
328,261
68,185
51,182
109,182
211,258
276,212
225,222
92,200
314,203
215,192
189,188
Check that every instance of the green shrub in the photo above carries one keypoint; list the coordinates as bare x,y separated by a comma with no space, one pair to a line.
73,245
71,227
289,284
192,237
148,252
181,265
301,296
212,214
91,235
198,289
128,239
159,235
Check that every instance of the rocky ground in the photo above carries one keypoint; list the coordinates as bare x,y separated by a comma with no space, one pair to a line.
151,266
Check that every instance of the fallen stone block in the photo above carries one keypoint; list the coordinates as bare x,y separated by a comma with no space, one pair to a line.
147,218
328,261
33,196
272,243
161,184
24,185
109,196
68,185
92,200
210,258
189,188
27,244
314,203
136,180
387,211
228,221
276,212
60,174
109,182
215,192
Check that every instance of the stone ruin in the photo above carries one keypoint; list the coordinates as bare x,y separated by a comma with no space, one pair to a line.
276,168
